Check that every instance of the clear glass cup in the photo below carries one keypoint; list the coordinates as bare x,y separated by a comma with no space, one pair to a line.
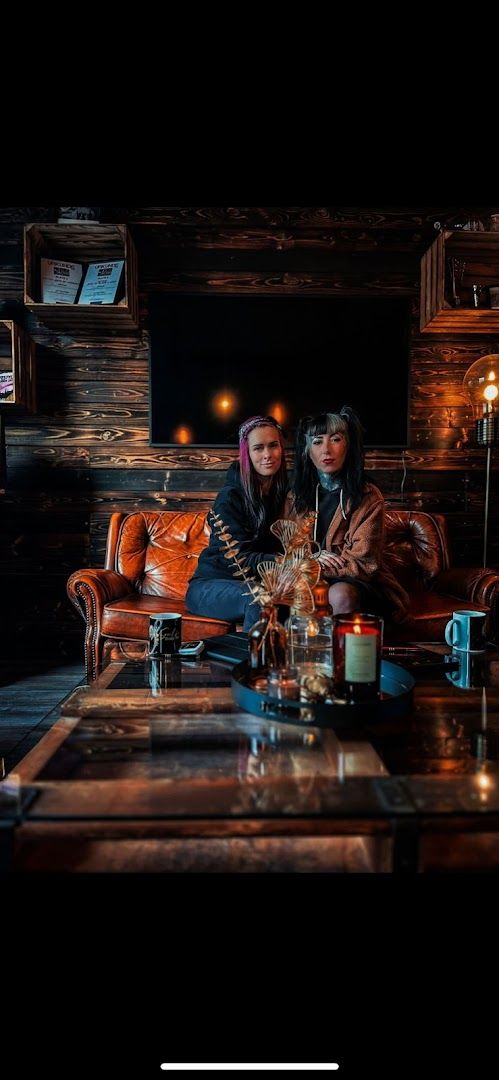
284,684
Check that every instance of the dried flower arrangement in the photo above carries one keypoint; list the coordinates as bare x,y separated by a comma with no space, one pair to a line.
290,579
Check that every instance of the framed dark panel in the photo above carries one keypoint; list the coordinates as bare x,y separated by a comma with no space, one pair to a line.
217,360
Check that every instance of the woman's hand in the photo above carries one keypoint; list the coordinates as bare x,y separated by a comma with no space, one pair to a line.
331,564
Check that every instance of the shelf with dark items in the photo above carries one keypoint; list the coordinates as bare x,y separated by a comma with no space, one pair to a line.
17,369
459,282
17,380
81,244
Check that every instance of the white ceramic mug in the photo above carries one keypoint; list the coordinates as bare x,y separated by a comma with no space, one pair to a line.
466,631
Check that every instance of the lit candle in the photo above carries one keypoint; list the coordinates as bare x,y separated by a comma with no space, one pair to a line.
357,641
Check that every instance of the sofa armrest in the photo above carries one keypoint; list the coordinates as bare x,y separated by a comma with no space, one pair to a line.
478,584
90,590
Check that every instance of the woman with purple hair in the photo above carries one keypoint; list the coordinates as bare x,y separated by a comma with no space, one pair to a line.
251,499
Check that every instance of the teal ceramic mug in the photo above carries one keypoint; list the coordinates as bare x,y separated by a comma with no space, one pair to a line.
466,631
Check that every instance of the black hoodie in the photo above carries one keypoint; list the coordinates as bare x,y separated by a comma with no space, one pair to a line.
255,546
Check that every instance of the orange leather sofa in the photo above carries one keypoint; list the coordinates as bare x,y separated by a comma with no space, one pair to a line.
151,556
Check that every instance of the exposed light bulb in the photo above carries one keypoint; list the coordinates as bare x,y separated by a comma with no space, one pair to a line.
480,384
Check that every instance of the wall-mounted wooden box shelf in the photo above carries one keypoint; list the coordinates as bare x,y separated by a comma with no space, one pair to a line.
457,261
17,368
82,244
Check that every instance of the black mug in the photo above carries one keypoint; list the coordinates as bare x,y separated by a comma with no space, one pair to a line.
165,633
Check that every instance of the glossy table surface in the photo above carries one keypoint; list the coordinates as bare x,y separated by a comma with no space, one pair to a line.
183,760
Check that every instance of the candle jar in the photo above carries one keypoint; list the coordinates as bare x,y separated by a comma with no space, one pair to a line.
357,643
283,684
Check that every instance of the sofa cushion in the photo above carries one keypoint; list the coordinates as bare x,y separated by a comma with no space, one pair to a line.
129,618
158,552
427,617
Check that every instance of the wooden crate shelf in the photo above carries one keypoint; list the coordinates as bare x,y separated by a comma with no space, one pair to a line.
17,358
81,243
455,262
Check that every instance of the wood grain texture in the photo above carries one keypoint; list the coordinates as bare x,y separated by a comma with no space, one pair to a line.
86,452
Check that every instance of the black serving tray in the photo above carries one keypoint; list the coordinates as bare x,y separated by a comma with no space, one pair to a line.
397,686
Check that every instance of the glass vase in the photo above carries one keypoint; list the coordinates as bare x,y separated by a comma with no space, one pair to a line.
267,641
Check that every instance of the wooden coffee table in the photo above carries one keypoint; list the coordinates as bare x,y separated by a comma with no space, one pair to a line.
136,778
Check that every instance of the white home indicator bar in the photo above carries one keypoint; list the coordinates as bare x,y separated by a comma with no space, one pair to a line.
274,1066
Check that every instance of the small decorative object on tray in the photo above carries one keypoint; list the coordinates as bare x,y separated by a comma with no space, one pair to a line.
284,684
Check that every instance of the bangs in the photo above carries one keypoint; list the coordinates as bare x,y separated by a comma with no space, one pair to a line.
327,423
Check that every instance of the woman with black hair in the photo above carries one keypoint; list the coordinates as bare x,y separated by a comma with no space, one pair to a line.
251,499
350,514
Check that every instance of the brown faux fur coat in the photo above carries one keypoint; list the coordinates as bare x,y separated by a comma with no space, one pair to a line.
359,542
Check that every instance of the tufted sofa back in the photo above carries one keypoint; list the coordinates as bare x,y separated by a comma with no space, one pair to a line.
158,550
416,546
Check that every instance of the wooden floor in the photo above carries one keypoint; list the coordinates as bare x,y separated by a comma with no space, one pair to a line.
29,705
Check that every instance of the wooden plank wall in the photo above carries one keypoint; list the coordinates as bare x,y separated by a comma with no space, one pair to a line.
86,451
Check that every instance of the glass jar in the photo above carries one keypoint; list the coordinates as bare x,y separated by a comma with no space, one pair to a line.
357,643
310,643
284,684
267,641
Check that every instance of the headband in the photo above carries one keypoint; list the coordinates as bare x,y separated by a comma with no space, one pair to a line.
256,421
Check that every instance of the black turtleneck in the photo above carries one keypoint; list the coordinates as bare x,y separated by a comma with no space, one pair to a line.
330,485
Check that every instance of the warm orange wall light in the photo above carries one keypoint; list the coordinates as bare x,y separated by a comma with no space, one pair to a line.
183,435
279,411
224,404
